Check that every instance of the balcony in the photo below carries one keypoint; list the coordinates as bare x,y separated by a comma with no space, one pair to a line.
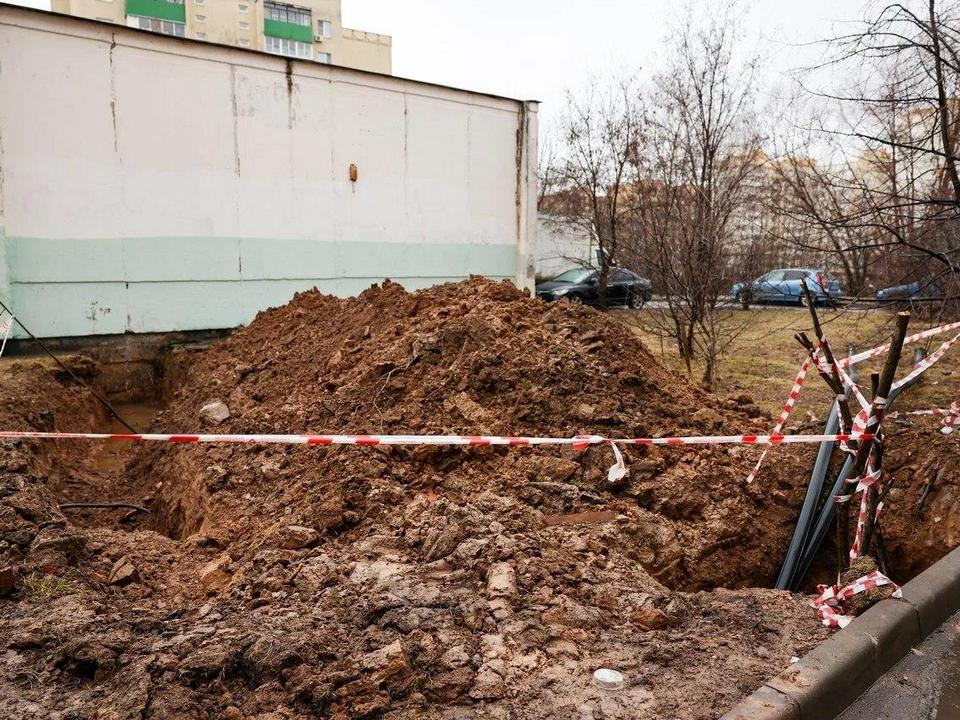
288,31
159,9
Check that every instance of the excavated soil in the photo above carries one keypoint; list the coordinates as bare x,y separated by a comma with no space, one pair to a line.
288,582
921,517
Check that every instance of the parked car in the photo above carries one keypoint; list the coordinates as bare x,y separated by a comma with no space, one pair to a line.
784,286
925,290
581,285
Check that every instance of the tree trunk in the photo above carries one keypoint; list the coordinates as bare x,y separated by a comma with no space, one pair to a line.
942,101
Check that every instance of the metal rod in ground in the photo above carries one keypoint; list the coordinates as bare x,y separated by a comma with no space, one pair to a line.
814,488
933,477
103,401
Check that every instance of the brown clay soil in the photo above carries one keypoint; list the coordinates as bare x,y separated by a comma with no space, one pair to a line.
299,582
921,517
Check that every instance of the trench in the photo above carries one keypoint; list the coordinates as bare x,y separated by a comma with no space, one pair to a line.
79,472
106,472
107,462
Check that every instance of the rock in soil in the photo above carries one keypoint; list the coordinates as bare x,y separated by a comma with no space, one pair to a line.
123,572
214,413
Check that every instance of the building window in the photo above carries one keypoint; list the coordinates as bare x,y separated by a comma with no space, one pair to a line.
290,48
244,26
323,58
324,29
286,13
244,7
164,27
244,42
201,18
201,36
199,2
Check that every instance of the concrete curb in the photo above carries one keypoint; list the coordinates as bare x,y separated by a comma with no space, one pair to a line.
840,669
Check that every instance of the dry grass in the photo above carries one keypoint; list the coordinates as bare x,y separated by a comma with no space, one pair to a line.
763,360
46,587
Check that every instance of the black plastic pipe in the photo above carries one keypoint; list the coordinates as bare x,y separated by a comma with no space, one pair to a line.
822,526
830,507
814,488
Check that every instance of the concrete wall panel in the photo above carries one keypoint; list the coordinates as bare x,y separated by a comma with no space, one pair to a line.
152,183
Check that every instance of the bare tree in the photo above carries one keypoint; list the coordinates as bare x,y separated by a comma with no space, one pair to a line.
692,177
547,167
599,133
898,124
812,186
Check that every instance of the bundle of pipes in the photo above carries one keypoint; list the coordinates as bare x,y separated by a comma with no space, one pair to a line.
816,514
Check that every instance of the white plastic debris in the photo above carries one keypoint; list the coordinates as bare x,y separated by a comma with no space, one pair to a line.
608,679
616,474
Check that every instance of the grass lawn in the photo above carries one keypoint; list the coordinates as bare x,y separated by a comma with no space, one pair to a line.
764,358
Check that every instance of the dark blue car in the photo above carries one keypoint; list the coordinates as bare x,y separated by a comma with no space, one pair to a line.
926,290
784,286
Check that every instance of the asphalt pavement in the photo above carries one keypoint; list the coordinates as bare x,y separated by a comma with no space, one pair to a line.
656,304
925,685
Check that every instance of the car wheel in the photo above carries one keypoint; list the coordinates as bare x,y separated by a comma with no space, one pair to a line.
575,299
635,300
743,297
803,300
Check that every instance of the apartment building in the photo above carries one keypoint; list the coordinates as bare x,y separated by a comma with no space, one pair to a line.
309,30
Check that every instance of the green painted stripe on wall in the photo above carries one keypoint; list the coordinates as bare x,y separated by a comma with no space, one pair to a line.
289,31
160,9
167,259
91,287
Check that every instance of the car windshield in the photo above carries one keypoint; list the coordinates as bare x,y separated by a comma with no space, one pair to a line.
576,275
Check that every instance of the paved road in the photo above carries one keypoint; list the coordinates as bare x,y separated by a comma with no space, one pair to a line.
656,304
925,685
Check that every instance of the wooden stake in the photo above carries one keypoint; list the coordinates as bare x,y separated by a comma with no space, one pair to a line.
876,414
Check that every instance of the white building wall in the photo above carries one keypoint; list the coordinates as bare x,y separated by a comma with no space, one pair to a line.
153,184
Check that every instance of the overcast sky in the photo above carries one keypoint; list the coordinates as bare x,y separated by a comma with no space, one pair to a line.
534,49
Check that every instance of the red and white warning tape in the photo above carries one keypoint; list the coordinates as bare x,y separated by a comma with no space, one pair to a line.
862,419
880,349
921,366
865,481
950,417
784,414
832,599
579,442
617,471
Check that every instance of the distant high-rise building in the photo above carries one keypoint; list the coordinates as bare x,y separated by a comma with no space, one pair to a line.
309,30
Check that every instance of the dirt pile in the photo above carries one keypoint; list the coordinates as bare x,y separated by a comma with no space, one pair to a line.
287,582
921,517
471,358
